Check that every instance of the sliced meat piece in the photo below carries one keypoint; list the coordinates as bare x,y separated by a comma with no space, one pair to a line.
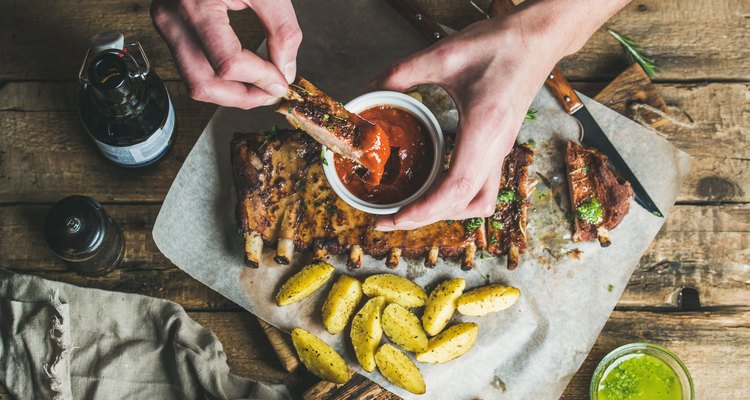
327,121
599,199
506,228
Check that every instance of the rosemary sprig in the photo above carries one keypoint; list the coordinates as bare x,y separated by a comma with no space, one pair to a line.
268,136
531,114
300,88
635,52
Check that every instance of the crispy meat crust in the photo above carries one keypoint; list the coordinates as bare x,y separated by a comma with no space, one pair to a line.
506,228
281,188
589,176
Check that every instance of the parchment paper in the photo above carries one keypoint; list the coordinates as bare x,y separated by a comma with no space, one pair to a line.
529,351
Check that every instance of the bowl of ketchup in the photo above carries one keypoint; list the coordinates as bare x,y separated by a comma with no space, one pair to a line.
415,162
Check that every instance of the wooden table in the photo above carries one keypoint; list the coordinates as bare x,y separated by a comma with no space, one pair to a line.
700,46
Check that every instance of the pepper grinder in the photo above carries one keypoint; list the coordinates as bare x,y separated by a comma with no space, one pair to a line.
81,233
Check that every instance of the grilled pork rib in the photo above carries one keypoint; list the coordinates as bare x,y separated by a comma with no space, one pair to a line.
327,121
598,198
506,228
284,199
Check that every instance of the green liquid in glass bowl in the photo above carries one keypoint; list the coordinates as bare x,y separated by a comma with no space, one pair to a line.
641,371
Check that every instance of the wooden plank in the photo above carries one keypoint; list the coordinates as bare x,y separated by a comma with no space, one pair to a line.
673,31
37,145
281,343
702,247
27,52
715,347
633,87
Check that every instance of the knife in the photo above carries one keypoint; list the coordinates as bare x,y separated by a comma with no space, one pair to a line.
592,134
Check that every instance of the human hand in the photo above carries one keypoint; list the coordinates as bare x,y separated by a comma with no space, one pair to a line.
492,70
209,55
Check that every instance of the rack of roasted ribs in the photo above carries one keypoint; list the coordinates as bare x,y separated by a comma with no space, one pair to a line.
285,200
599,199
306,107
506,228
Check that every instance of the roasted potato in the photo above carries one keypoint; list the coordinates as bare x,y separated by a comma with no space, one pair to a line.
395,289
486,299
449,344
340,303
367,331
402,327
319,358
399,370
303,283
441,304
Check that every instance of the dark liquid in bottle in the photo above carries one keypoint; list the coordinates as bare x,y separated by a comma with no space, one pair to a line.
131,119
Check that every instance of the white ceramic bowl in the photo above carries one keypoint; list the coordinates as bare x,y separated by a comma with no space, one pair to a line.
416,108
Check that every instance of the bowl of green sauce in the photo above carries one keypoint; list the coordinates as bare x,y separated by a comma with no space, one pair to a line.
639,371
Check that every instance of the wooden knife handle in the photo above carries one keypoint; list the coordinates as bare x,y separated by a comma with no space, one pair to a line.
420,19
562,90
556,82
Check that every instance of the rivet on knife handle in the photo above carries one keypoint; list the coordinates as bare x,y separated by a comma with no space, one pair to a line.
423,21
562,90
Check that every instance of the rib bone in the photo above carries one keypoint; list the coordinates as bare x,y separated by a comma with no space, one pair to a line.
432,257
467,262
253,249
355,257
393,258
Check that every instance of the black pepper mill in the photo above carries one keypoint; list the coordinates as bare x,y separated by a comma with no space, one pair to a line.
81,233
124,105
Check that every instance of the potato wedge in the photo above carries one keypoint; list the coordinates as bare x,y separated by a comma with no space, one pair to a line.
449,344
319,358
367,331
340,303
486,299
395,289
441,304
399,369
403,328
304,283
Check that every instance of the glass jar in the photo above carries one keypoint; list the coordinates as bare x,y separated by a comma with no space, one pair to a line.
622,353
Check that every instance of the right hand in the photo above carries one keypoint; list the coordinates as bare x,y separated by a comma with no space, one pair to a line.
209,55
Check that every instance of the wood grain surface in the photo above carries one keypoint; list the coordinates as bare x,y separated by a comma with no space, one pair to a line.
704,80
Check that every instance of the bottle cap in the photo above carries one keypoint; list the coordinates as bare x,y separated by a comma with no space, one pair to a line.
107,40
75,226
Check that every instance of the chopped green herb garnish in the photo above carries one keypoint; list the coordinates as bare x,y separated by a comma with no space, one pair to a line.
531,114
585,169
473,224
493,239
610,287
326,117
591,211
330,128
299,88
323,157
496,224
635,53
507,196
339,118
532,143
268,136
289,110
331,208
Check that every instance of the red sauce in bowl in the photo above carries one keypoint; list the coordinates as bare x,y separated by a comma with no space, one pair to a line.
409,164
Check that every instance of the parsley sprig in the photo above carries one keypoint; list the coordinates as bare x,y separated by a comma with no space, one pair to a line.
635,52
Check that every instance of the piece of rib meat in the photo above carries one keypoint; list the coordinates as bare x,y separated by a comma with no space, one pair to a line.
306,107
285,200
506,228
590,177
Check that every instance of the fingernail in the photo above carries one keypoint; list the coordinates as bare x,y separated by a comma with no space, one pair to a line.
384,228
277,90
401,222
290,71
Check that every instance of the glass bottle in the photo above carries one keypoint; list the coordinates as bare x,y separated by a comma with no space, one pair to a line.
123,103
81,233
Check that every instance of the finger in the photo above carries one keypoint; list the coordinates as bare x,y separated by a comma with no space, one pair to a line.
483,205
224,51
283,34
196,70
422,67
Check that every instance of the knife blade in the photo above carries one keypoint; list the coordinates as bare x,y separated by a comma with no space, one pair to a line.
593,136
592,133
